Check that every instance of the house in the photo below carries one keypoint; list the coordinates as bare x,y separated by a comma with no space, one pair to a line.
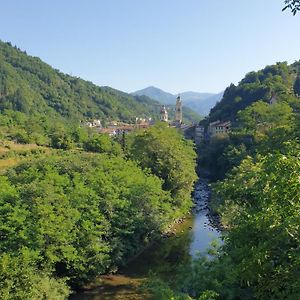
94,123
199,134
219,127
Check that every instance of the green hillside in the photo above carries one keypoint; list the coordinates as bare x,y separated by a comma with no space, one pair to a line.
256,126
273,80
255,200
32,87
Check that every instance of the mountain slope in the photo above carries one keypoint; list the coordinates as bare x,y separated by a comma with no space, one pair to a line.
189,114
204,106
275,81
157,94
199,102
30,86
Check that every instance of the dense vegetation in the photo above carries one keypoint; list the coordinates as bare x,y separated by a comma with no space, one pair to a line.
68,216
74,203
30,86
81,204
157,150
262,85
256,124
258,198
39,104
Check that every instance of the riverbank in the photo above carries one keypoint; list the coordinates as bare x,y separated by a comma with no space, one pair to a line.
164,257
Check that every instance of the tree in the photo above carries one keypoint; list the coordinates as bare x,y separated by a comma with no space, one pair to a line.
261,210
21,279
297,86
61,140
81,214
102,143
293,5
169,156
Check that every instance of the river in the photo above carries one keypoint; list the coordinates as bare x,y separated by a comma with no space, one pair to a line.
163,258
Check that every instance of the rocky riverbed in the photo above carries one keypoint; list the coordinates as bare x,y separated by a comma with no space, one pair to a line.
201,196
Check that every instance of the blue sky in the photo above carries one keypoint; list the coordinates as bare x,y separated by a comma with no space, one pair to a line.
177,45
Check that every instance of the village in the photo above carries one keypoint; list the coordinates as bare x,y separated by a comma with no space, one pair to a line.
193,131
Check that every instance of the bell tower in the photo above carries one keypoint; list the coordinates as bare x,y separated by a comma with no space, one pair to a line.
163,114
178,110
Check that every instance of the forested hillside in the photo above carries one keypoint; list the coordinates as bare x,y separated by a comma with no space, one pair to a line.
75,203
67,216
256,123
32,87
257,195
272,81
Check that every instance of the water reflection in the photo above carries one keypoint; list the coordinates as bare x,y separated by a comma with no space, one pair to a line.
203,234
164,257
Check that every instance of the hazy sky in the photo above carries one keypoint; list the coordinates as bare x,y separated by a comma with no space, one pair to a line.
177,45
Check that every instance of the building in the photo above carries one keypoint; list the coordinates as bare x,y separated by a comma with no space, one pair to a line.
164,114
178,111
199,134
94,123
219,127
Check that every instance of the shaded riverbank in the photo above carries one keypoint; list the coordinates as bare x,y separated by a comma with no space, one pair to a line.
163,258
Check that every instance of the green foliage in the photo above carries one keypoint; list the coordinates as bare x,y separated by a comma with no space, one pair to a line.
20,279
61,141
169,156
211,157
160,290
261,212
81,213
261,208
276,79
259,197
297,86
262,117
259,128
209,295
35,99
102,143
269,125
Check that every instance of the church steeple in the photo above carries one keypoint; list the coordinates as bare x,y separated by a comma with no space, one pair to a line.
178,112
163,114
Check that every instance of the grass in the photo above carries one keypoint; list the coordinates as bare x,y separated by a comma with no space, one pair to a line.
11,153
8,163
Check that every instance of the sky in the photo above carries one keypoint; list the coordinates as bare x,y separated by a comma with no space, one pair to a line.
176,45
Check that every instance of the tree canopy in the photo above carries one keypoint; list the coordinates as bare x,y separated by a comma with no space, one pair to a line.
68,216
169,156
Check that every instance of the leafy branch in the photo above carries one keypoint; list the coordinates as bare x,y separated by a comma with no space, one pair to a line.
293,5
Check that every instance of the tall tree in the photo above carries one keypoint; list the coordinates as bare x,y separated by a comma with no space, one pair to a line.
169,156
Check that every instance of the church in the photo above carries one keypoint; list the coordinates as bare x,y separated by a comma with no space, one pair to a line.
178,114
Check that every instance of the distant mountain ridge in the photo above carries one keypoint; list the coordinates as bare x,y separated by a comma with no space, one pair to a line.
199,102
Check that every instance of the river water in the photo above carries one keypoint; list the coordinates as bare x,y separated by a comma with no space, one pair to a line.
163,258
